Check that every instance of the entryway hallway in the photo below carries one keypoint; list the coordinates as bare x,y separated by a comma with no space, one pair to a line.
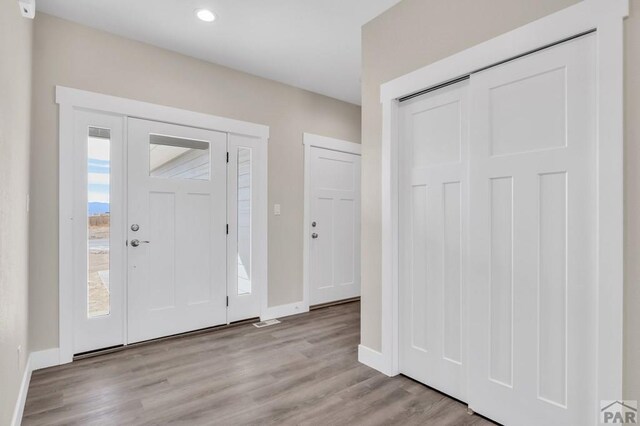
302,371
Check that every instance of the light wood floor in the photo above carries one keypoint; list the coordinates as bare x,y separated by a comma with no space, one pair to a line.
303,371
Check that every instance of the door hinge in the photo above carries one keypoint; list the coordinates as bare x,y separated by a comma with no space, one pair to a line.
227,156
227,301
227,229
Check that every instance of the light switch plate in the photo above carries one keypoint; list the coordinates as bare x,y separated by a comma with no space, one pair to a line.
276,209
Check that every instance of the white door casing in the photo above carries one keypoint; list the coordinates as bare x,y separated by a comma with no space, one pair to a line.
334,225
433,216
177,281
533,237
106,329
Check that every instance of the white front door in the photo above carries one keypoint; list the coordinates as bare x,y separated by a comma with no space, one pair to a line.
176,229
433,199
532,318
334,261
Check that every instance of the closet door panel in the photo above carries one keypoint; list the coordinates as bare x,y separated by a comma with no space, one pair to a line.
532,228
433,210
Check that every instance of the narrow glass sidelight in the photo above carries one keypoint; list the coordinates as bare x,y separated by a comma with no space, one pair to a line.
98,221
172,157
244,221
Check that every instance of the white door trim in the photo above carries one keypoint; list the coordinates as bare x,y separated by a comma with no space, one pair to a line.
310,140
606,17
66,96
70,100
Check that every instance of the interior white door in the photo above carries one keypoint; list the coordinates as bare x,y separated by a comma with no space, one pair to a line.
334,249
176,230
532,238
98,230
433,200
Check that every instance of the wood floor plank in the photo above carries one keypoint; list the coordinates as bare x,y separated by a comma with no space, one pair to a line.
303,371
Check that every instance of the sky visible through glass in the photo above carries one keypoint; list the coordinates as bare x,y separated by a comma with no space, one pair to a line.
98,169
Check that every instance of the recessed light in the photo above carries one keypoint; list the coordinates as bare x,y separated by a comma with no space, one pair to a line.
205,15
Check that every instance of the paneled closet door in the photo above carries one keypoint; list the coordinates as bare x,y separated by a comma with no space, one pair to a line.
433,200
532,255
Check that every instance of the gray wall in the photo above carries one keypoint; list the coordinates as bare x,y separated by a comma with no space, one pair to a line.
15,112
76,56
416,33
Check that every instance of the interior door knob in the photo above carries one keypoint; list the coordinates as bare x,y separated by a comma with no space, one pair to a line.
314,235
136,243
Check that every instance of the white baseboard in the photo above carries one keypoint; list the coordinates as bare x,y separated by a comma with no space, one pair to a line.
35,361
18,410
44,359
372,358
284,311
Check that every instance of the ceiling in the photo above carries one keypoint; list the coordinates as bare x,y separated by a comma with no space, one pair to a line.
311,44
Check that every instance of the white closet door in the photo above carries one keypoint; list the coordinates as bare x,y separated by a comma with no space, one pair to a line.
433,199
532,238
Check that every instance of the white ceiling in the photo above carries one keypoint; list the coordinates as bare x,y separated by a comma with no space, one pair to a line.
311,44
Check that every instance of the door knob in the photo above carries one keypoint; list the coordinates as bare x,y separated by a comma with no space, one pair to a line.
314,235
136,243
